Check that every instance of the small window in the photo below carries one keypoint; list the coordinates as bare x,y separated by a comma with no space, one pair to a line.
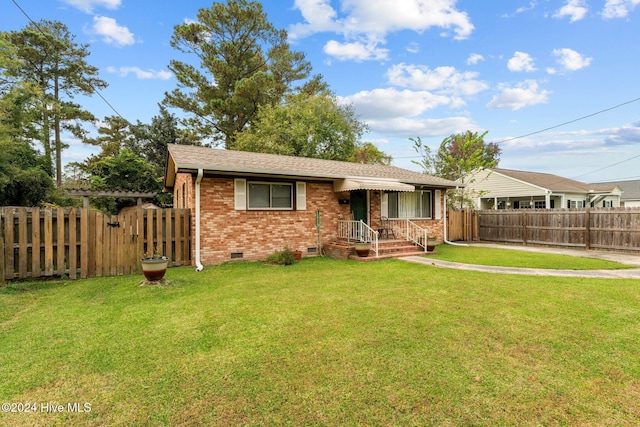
263,195
540,204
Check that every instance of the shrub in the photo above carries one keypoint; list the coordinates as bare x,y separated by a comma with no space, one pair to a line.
285,257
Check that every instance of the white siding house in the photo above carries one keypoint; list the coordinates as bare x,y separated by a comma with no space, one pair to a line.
510,189
630,193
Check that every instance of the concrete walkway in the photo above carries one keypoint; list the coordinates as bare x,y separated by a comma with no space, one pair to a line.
630,259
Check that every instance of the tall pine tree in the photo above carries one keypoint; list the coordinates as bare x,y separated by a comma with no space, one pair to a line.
57,65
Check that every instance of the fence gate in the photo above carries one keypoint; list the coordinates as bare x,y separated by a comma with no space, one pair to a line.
462,225
37,242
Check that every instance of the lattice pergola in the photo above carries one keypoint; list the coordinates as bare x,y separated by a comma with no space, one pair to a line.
85,194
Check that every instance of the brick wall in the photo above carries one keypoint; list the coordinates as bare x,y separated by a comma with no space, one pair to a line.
257,234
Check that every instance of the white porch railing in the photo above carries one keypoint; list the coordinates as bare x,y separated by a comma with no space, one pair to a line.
358,231
410,231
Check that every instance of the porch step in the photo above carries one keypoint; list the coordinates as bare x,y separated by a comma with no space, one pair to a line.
392,249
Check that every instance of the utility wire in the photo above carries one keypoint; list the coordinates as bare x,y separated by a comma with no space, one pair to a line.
571,121
96,91
557,126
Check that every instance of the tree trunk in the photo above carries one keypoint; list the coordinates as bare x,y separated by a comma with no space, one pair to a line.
57,136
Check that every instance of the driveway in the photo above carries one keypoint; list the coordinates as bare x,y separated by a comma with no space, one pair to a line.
630,259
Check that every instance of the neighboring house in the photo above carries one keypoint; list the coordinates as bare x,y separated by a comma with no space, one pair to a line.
249,205
511,189
630,192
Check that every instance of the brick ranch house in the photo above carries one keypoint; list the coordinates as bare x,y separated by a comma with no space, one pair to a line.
250,205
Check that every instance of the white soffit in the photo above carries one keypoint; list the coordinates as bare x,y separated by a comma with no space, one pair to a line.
352,184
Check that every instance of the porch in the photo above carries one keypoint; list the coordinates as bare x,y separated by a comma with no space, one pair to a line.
395,238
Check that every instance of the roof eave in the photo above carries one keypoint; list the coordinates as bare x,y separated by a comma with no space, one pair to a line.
191,167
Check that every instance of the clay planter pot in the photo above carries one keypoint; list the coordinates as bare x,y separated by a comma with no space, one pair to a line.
154,268
297,255
362,249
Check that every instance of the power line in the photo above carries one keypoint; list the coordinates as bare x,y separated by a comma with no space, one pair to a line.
96,91
563,124
571,121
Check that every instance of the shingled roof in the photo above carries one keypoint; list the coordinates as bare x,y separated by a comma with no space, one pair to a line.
554,182
630,189
188,158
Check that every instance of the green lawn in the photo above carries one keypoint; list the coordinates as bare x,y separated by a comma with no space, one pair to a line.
520,258
323,342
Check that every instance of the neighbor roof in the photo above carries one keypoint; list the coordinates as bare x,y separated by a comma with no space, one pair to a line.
554,182
188,158
630,189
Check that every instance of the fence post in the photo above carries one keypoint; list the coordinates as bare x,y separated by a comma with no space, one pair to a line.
587,229
524,228
2,257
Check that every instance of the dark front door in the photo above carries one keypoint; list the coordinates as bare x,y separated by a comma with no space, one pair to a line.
358,205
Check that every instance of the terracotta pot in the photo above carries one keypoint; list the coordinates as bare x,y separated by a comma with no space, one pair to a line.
154,268
297,255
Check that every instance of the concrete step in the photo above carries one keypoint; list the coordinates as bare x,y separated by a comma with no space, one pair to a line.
372,256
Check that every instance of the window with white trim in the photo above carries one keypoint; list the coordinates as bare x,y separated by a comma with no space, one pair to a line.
265,195
575,204
415,204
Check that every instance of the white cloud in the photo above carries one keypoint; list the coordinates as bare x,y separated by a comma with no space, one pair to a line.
474,58
141,74
413,47
626,135
618,8
319,17
444,80
88,6
521,62
410,127
574,9
392,103
532,5
356,51
372,20
571,60
111,32
522,95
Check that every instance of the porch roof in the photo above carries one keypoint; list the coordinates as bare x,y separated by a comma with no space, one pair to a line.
370,184
187,158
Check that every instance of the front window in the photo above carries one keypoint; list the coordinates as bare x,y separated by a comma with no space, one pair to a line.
409,205
270,196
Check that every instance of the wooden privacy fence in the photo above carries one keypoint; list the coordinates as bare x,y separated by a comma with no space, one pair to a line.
462,225
80,243
611,229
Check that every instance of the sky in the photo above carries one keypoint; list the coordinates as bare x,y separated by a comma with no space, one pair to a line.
555,83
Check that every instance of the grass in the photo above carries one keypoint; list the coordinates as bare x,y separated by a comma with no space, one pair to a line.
323,342
519,258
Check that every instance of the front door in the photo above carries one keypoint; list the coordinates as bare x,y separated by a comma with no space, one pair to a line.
358,205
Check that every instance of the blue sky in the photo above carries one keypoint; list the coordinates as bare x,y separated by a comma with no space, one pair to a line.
426,68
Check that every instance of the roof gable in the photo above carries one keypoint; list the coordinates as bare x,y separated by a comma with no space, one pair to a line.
554,182
188,158
630,189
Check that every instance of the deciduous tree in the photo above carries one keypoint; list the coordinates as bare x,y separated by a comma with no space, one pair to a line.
369,153
457,158
305,126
